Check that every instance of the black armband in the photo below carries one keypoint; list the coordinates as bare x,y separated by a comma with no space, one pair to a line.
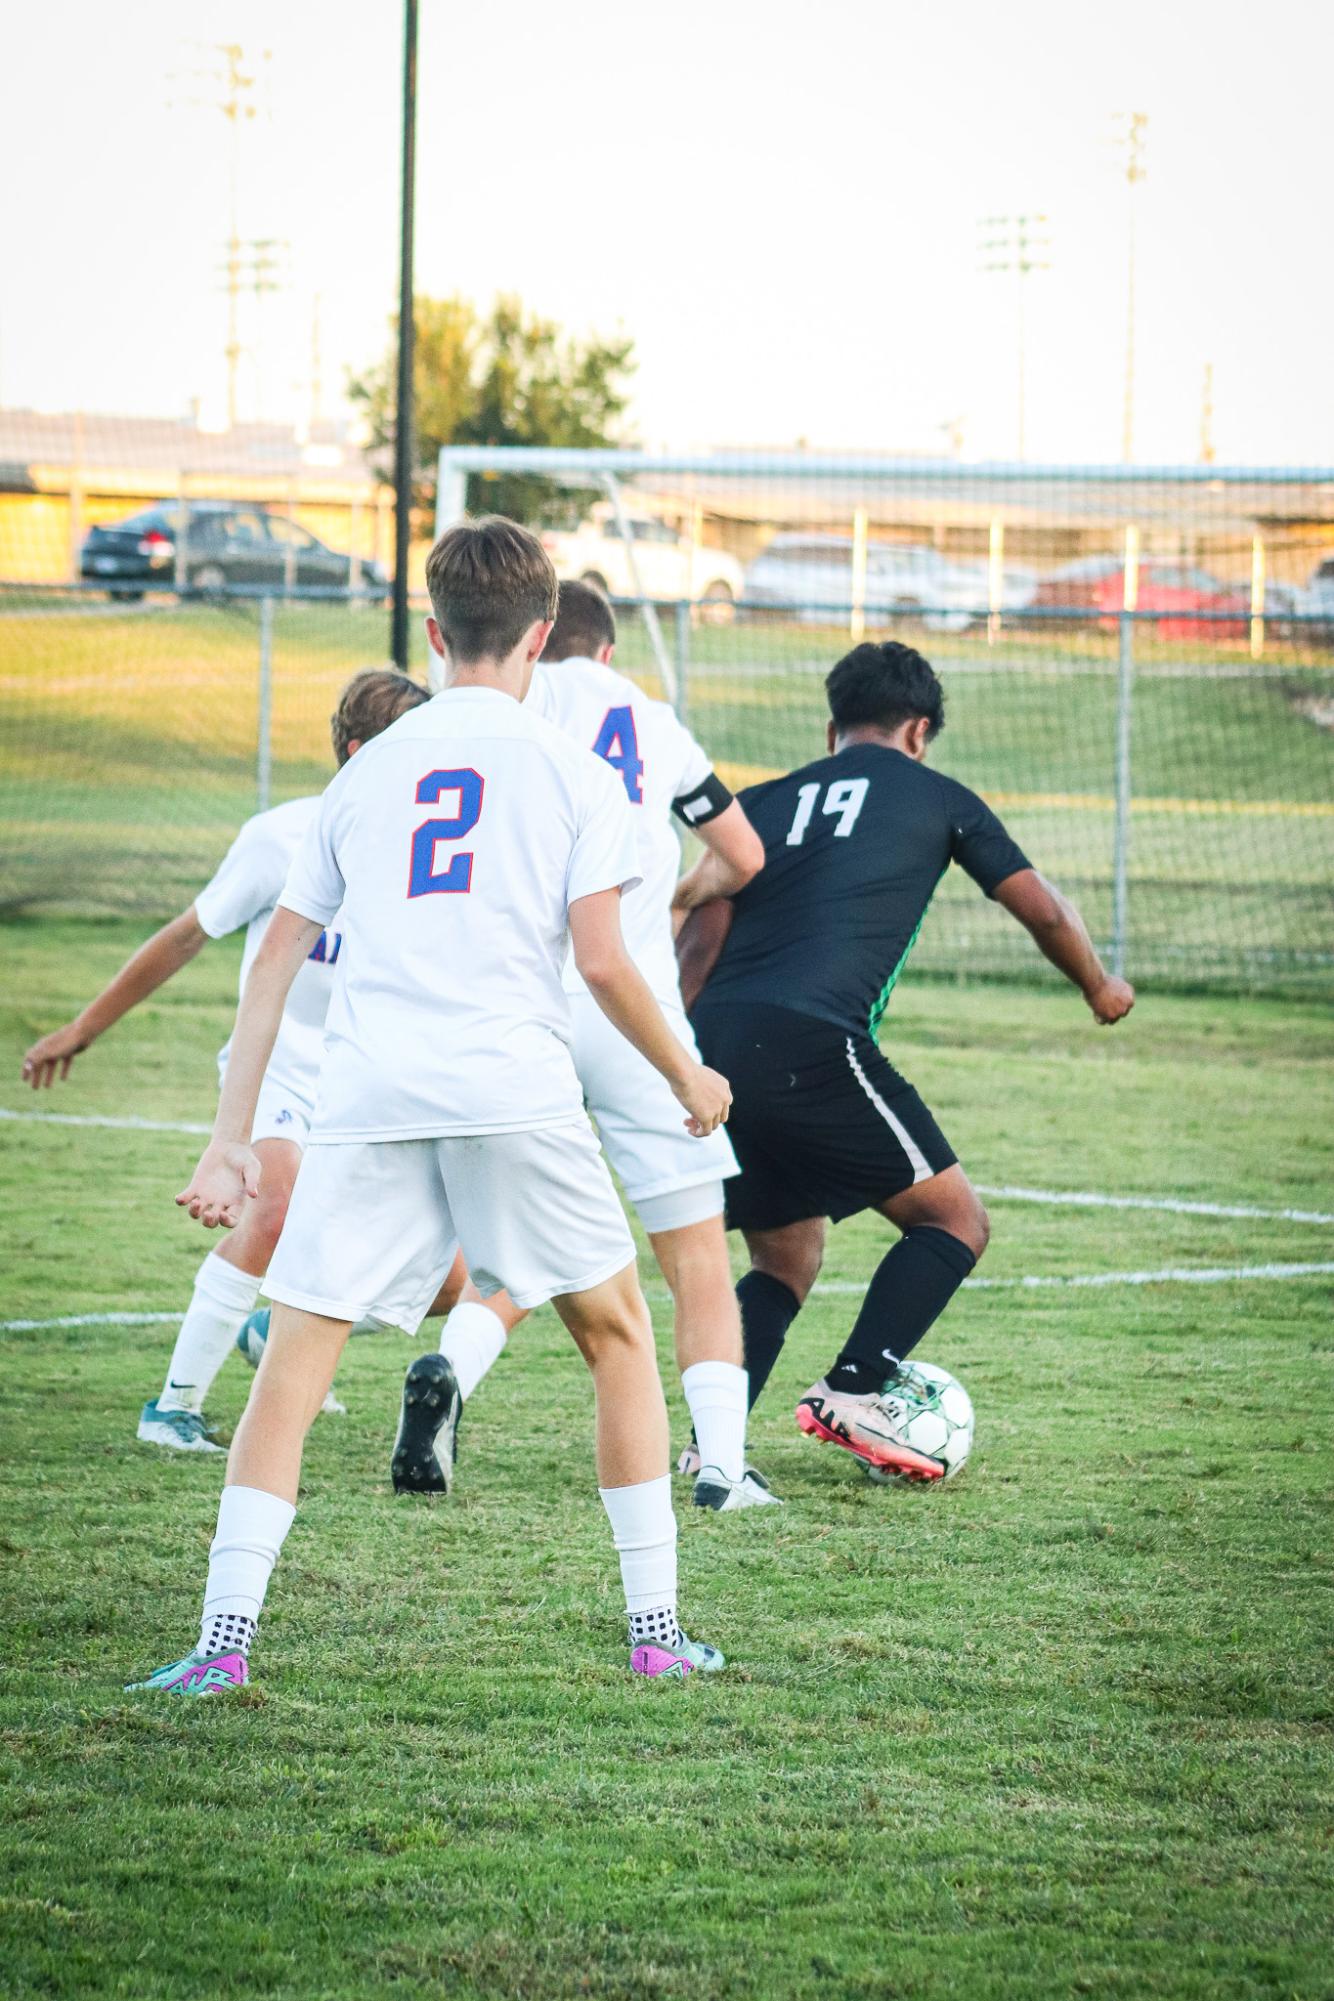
703,803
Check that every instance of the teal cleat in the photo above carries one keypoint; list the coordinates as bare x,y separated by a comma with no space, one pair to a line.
178,1430
197,1674
250,1344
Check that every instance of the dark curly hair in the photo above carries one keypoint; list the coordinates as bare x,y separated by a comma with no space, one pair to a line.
885,685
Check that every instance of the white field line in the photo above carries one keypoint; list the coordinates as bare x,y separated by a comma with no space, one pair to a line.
90,1320
120,1125
1169,1275
1172,1275
1072,1198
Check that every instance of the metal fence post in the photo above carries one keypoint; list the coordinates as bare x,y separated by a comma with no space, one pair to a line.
682,623
264,746
1125,680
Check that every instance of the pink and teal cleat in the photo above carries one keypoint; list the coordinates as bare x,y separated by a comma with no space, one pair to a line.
197,1674
651,1658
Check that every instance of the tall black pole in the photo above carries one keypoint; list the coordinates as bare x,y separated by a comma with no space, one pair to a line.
404,438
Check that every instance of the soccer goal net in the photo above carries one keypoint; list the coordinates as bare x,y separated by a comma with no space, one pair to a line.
1138,663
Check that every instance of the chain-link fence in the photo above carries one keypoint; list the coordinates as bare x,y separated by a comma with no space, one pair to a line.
1173,782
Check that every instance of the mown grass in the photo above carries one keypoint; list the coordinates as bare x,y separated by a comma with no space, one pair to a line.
1061,1728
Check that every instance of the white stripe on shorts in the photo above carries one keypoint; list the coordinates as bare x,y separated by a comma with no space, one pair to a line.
921,1167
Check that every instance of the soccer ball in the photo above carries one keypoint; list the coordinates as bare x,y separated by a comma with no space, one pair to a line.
935,1415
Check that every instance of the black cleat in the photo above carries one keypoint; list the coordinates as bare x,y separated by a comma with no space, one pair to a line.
428,1429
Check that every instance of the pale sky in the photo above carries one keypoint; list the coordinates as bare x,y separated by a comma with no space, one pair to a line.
778,201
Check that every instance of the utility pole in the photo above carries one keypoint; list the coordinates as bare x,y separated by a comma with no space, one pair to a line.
1207,453
237,108
1016,244
404,428
1131,129
253,264
232,94
316,417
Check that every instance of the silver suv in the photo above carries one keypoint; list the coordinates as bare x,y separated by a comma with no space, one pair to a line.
811,577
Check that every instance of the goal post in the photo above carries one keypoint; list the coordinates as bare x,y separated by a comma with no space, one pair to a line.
1139,673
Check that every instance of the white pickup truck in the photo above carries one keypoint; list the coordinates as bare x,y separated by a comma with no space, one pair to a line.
671,566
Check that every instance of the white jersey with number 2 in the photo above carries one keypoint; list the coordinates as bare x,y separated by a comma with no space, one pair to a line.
454,845
656,761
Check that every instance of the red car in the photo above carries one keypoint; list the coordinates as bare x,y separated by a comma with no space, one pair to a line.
1097,586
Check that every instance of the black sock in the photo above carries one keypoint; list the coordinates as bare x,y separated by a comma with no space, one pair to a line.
913,1285
768,1308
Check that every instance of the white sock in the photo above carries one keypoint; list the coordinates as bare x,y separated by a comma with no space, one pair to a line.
251,1528
717,1395
643,1528
470,1341
223,1296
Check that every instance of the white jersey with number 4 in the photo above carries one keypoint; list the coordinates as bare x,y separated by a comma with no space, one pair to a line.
656,761
454,845
245,891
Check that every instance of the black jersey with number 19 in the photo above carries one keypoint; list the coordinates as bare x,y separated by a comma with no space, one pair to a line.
854,846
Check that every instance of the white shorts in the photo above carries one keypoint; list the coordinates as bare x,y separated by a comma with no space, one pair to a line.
640,1123
373,1227
281,1114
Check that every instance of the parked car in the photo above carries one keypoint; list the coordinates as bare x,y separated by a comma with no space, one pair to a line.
1317,600
1096,586
811,576
226,545
670,565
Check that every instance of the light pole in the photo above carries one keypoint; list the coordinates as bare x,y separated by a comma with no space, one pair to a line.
1131,128
1016,244
405,427
231,94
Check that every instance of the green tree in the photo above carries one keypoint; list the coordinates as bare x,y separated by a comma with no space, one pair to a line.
509,378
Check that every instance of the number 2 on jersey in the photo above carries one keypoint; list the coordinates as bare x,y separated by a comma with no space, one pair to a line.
618,743
845,797
456,880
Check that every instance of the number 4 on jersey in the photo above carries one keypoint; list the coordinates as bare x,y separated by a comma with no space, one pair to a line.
618,742
844,797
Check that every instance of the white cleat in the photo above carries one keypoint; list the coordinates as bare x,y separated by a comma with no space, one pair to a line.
177,1430
714,1490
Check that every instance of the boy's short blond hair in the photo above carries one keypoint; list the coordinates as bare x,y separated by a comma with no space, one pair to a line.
368,704
489,581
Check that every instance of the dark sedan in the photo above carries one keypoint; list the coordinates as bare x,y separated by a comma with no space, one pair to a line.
226,547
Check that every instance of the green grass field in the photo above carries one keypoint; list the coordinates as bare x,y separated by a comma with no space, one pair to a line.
127,760
1061,1728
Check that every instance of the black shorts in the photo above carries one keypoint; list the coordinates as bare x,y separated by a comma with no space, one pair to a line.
821,1123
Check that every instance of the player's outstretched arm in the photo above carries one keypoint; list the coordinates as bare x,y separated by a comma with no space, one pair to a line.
625,997
150,967
228,1171
735,856
1059,932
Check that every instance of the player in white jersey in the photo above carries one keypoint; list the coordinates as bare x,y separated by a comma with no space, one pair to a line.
242,893
464,847
674,1182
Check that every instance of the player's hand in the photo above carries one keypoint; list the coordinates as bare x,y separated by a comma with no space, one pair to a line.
54,1053
708,1099
226,1178
1111,1000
